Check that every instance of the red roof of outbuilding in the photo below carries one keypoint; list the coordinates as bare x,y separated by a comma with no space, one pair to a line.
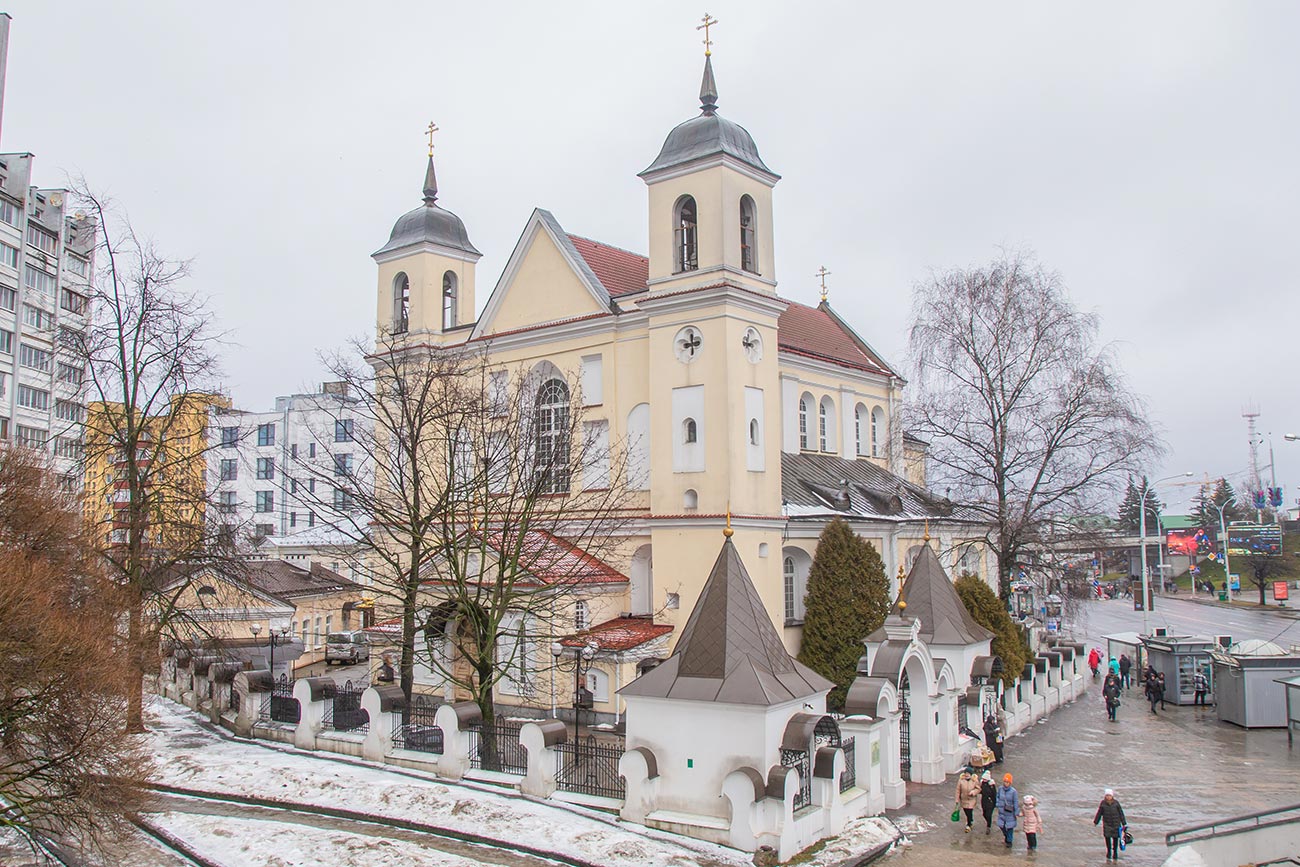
619,634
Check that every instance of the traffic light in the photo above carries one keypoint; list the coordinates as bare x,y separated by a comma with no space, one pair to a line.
1275,496
1260,500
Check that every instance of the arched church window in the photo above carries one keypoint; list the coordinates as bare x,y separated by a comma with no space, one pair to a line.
787,574
861,425
401,303
877,422
805,407
690,431
748,225
753,431
826,425
686,235
551,430
449,300
691,500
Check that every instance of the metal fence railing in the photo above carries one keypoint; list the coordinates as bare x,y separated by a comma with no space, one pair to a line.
590,767
496,747
344,712
279,705
849,778
415,728
798,760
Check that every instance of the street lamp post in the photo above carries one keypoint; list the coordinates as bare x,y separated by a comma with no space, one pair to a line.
1142,532
581,665
1223,539
276,634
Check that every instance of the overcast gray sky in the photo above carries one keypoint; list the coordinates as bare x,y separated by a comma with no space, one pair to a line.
1149,152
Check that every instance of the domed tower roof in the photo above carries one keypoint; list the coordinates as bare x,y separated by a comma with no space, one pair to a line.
429,223
708,135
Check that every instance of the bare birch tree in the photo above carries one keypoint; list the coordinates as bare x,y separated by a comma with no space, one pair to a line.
1029,418
150,361
479,502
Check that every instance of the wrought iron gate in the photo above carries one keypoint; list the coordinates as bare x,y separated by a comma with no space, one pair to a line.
798,760
904,730
496,747
283,706
344,713
590,767
849,778
416,727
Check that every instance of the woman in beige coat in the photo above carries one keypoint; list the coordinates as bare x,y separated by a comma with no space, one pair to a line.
968,795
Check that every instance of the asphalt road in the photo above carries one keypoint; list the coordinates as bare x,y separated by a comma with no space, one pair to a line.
1185,617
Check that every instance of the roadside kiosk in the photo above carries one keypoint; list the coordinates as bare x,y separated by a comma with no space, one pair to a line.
1178,658
1246,680
1129,643
1292,686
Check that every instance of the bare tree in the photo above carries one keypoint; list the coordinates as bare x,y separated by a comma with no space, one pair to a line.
149,358
67,767
480,503
1029,419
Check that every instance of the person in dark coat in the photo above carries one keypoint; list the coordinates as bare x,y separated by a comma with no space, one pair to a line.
1125,666
1110,815
988,800
1110,692
1201,686
1152,693
993,737
1160,689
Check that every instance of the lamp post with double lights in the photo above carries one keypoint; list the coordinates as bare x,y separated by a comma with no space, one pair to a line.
277,633
1142,533
582,658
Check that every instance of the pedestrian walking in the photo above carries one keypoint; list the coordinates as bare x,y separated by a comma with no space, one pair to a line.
1114,666
1152,695
1160,689
1094,661
1110,815
1008,809
1125,666
993,737
1201,687
988,800
1033,824
968,795
1110,692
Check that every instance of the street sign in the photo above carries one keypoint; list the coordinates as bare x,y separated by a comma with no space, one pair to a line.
1280,591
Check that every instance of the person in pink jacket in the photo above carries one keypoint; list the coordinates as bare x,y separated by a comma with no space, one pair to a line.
1033,824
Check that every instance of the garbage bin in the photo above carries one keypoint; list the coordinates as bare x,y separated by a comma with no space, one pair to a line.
1223,595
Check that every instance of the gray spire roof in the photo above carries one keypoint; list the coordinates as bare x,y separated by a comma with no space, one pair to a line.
932,599
429,223
708,135
729,651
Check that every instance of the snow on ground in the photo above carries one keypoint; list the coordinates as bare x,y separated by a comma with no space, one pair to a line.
859,836
255,843
191,756
912,825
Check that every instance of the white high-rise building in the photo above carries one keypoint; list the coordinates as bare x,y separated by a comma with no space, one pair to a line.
46,263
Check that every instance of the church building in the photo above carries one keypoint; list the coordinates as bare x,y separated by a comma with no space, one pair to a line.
722,396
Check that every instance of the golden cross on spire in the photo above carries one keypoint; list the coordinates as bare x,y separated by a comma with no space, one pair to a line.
823,274
433,127
727,531
709,21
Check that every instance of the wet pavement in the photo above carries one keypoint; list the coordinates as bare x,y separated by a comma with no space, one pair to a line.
1171,770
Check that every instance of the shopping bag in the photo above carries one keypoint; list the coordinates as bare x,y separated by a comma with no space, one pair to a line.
1128,838
956,815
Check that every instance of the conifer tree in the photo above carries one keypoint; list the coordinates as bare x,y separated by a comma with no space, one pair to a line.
988,611
1130,515
848,598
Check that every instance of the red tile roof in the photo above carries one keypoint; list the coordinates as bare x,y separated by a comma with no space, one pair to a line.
623,272
621,633
814,332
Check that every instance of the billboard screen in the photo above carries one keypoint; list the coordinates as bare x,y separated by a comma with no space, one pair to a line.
1193,543
1247,539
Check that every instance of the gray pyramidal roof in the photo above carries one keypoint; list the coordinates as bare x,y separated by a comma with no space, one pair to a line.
708,135
729,651
429,223
932,599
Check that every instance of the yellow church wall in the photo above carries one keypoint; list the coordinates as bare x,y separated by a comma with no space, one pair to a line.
544,289
425,270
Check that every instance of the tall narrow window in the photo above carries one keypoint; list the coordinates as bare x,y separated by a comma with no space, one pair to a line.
551,431
690,431
401,303
860,427
449,300
821,426
787,574
686,240
828,427
748,224
877,421
581,616
804,409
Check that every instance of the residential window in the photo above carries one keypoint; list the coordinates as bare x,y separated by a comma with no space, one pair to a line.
877,422
265,501
311,450
266,434
311,486
804,409
67,410
41,239
78,266
229,469
8,297
8,211
68,338
7,341
230,436
343,430
293,486
293,519
264,530
67,447
33,357
70,373
228,501
343,465
342,499
33,398
38,280
311,518
30,437
266,468
37,318
293,450
73,302
4,428
9,256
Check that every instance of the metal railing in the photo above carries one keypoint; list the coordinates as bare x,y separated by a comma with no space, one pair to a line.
344,712
415,729
799,761
496,747
279,705
590,767
849,778
1234,825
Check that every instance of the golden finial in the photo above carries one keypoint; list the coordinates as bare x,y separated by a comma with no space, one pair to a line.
709,21
727,531
902,577
433,127
927,530
822,273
